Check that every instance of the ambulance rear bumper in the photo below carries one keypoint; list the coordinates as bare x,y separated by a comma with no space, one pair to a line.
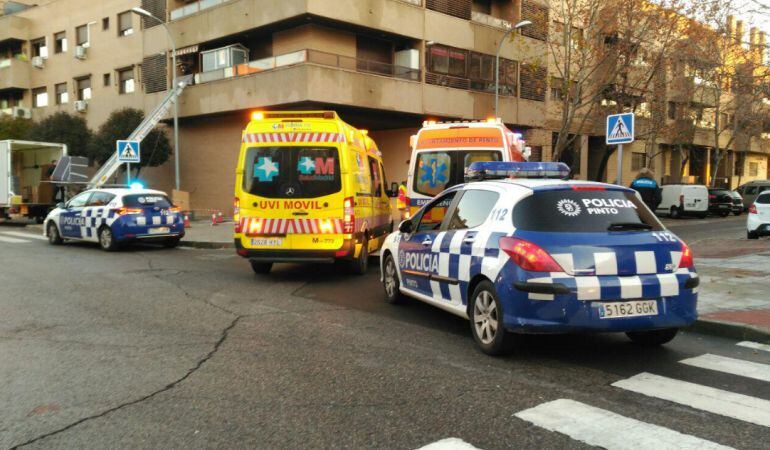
346,252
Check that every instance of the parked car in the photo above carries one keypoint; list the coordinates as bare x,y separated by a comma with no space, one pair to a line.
737,203
679,200
758,222
720,201
750,190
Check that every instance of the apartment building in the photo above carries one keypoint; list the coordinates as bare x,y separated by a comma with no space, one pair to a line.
384,65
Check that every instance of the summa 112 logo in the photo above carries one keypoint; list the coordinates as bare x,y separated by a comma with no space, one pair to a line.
568,207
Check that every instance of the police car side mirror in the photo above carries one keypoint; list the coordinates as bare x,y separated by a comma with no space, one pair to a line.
405,226
60,205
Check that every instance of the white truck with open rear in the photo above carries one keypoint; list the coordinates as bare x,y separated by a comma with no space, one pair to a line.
25,171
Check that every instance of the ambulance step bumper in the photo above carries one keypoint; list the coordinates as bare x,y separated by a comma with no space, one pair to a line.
297,256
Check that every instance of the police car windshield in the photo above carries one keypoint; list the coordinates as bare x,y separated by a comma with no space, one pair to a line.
293,172
589,211
144,200
439,170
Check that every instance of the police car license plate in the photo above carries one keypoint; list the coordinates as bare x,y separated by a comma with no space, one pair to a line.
635,308
158,230
267,242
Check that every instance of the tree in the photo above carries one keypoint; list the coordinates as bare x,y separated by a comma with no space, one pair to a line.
63,128
119,125
14,128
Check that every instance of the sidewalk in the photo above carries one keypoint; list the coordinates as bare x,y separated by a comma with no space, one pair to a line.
201,234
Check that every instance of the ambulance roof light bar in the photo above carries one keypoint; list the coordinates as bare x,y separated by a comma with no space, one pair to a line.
494,120
495,170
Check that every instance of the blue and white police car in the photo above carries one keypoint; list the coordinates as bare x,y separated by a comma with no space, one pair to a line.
528,251
112,217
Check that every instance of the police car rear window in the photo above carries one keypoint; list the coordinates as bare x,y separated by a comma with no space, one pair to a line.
142,200
763,199
567,210
292,172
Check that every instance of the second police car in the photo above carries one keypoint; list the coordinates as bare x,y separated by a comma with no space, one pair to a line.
543,255
112,217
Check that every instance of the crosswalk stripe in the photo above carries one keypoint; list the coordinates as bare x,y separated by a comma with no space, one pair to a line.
602,428
11,240
733,366
25,235
449,444
754,345
717,401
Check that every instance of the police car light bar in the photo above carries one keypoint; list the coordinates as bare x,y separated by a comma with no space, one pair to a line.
490,170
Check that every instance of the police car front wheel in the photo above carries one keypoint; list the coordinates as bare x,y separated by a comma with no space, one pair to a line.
53,234
390,280
486,317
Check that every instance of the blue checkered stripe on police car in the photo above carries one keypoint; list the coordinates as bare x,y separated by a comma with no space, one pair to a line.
462,253
93,218
605,284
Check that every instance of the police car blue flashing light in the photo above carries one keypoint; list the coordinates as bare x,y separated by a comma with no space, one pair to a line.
544,256
489,170
136,185
112,217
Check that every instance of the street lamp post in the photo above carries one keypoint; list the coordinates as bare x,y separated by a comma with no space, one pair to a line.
144,13
521,24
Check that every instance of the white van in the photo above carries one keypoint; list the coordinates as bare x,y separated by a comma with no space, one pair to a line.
684,200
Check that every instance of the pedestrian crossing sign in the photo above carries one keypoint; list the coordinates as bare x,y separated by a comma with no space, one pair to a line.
128,151
620,129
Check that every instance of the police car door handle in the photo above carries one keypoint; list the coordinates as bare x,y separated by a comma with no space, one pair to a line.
469,240
427,242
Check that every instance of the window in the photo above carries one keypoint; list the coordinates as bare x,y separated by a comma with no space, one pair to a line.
81,35
62,96
763,198
107,79
473,209
145,200
39,48
753,169
438,170
83,86
671,110
569,211
557,86
105,24
433,214
79,201
223,57
293,172
100,199
39,97
447,60
60,42
638,160
376,179
481,71
750,190
126,80
125,24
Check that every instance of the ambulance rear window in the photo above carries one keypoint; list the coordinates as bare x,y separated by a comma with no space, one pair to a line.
590,211
439,170
142,200
292,172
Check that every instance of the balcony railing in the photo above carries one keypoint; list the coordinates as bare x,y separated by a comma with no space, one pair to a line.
469,84
312,57
492,21
194,7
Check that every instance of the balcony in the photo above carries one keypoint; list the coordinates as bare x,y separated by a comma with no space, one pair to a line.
486,19
14,74
691,89
14,28
194,8
312,57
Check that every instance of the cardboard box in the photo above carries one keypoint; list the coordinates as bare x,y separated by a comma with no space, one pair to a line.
181,199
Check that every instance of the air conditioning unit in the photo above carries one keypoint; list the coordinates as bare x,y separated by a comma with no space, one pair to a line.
37,61
81,106
21,112
80,52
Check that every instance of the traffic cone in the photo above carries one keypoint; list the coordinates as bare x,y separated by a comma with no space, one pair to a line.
213,219
187,221
220,217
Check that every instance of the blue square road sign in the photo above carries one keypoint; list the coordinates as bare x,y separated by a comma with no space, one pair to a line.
620,129
128,151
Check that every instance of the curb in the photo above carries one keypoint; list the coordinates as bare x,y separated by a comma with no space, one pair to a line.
730,330
206,245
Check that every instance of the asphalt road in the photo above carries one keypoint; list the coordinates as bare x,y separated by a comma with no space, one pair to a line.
692,229
159,348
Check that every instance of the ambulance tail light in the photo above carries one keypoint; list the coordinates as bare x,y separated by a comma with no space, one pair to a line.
686,262
237,214
123,211
529,256
254,226
349,220
753,209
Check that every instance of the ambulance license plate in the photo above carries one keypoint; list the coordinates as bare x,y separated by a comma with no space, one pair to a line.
635,308
267,242
158,230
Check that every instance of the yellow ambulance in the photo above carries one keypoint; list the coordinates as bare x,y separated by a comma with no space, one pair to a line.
309,188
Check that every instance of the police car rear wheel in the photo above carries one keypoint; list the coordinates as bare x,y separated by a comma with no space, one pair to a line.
53,234
107,240
653,337
752,235
390,280
486,320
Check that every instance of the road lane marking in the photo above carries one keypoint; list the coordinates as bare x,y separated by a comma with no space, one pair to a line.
733,366
449,444
11,240
602,428
717,401
754,345
25,235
